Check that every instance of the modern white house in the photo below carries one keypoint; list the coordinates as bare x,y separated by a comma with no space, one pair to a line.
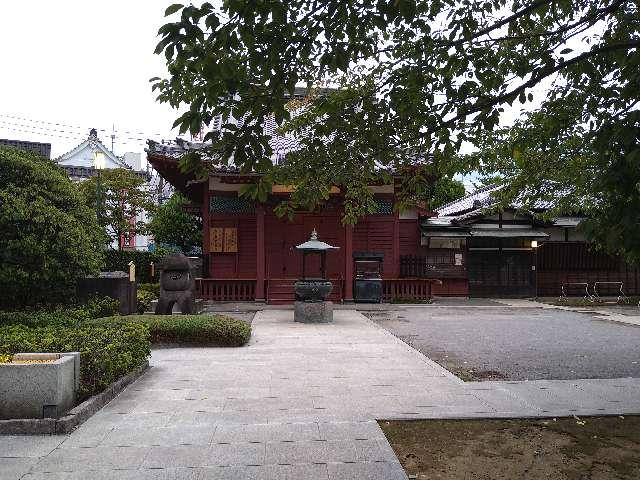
88,158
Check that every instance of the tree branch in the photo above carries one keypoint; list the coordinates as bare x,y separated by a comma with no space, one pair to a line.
538,78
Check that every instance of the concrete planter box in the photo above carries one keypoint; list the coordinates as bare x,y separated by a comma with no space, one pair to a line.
39,390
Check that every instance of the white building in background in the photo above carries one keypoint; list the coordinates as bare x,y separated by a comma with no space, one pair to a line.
85,160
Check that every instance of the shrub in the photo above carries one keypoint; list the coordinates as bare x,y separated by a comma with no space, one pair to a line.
144,299
49,237
210,330
108,350
145,294
96,307
43,318
150,287
119,260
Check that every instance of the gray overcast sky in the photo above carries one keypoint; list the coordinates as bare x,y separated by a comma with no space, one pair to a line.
82,64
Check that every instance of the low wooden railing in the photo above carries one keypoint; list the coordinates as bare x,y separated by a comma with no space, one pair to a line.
244,290
281,290
227,289
408,288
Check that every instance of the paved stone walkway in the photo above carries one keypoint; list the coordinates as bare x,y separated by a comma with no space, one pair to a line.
298,403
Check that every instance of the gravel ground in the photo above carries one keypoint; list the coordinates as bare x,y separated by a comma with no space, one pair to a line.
518,343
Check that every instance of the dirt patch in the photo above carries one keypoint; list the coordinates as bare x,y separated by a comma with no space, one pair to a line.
560,449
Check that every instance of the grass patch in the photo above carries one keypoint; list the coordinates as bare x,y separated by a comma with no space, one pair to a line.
206,330
563,448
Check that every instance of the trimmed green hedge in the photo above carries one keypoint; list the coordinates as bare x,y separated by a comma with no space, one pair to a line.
119,260
210,330
108,350
95,308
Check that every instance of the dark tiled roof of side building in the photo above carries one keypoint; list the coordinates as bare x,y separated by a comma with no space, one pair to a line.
481,197
43,149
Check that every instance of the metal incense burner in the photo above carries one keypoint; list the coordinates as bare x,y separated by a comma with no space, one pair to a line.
311,304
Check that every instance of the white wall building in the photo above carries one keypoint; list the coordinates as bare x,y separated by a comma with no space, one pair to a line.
85,160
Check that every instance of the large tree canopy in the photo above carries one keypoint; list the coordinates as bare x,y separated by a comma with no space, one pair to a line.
416,79
49,238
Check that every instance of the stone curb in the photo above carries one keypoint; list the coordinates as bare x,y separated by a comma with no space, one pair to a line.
508,415
633,320
75,416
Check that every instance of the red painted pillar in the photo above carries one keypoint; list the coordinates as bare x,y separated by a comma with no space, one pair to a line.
206,224
348,263
260,256
395,273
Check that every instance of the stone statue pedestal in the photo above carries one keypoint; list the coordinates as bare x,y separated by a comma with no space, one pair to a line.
313,312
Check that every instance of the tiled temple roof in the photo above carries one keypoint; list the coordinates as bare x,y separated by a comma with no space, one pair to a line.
280,144
471,205
481,198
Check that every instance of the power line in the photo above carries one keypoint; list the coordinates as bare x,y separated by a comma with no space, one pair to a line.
48,134
77,127
38,133
66,125
48,129
77,134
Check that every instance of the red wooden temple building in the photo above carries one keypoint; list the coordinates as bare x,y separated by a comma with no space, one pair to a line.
248,251
461,250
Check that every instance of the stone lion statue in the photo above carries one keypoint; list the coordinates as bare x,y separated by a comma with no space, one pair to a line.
177,285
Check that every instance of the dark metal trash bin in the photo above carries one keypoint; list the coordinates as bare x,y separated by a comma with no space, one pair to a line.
367,282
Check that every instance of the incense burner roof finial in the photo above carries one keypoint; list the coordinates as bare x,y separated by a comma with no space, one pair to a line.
315,245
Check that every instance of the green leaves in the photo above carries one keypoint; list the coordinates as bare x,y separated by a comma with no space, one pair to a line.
171,225
109,349
171,9
407,8
49,237
122,196
413,79
209,330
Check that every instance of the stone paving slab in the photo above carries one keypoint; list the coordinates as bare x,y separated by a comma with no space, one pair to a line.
299,402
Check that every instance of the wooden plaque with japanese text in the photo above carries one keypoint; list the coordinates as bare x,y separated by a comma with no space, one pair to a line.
216,239
231,240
